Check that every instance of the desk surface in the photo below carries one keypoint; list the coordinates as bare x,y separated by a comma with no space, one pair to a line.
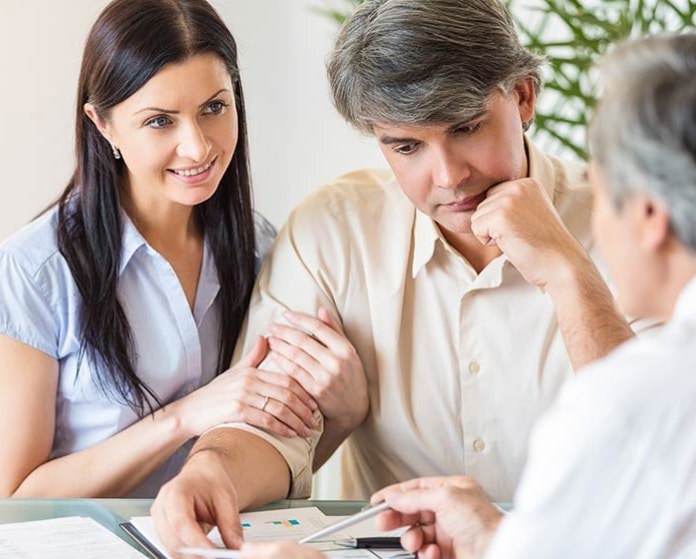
111,512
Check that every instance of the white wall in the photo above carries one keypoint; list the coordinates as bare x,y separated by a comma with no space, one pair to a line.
297,141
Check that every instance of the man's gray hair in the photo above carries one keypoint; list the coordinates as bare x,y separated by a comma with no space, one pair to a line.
422,62
643,135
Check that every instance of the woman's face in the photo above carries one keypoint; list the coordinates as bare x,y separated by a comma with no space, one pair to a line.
177,134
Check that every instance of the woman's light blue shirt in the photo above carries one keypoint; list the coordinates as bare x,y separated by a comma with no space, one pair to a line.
177,350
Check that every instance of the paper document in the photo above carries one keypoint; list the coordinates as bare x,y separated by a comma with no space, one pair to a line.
75,537
282,524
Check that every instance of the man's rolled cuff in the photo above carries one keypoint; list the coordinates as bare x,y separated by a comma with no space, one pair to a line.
298,453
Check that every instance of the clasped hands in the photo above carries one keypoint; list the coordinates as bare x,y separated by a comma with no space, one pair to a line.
318,368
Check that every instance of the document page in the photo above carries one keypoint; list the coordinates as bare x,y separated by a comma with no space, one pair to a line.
75,537
283,524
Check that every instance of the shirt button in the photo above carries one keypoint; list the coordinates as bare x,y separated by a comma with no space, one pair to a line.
474,368
479,445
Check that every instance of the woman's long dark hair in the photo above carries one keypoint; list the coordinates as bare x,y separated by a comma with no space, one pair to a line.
129,43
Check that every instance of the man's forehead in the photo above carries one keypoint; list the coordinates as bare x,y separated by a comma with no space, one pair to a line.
407,130
464,117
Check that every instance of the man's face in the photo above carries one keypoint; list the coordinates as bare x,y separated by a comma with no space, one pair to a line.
446,170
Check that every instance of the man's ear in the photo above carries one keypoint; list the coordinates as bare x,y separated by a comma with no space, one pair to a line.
653,223
99,122
526,98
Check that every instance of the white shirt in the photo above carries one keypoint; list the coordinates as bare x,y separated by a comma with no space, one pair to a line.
459,364
612,465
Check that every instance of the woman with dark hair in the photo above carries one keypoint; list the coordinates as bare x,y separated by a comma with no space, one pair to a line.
120,306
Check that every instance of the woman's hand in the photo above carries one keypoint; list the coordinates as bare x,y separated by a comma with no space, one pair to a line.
316,353
272,401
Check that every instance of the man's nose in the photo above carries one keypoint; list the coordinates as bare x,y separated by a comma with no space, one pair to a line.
449,171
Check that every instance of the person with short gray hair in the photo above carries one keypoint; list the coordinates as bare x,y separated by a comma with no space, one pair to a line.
462,277
652,141
611,465
622,484
424,63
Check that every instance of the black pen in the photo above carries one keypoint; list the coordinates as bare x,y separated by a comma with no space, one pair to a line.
377,542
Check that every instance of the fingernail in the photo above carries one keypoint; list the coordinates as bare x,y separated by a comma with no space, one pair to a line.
273,327
289,315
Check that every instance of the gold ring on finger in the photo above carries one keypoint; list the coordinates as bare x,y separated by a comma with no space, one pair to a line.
265,403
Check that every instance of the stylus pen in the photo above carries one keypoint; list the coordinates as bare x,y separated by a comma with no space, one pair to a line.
373,542
346,522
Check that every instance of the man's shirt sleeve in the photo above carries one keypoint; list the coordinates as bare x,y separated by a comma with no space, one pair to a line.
291,278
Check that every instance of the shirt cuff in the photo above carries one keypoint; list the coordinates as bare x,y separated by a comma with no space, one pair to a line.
298,453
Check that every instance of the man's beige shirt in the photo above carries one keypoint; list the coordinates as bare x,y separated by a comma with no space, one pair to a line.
460,365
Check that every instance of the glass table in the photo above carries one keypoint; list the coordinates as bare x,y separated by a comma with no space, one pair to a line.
111,512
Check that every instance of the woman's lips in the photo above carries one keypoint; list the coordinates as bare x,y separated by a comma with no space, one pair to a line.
195,175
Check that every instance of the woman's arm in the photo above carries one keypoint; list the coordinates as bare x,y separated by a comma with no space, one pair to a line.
116,466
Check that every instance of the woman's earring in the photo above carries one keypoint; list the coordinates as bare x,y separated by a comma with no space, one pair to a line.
117,153
526,125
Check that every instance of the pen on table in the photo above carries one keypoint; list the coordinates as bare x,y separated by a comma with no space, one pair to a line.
374,542
346,522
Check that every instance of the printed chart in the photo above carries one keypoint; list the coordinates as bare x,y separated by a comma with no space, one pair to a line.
273,525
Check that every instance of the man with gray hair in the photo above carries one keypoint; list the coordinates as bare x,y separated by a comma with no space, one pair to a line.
612,464
462,279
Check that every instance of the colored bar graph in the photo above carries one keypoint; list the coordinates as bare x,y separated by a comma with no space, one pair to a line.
287,523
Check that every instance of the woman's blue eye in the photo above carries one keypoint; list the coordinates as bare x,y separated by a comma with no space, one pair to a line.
215,107
158,122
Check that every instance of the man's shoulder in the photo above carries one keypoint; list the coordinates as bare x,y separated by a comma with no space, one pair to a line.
355,190
360,201
571,186
572,197
375,178
647,375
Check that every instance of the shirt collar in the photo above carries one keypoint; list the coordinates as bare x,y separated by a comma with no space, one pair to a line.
426,232
131,241
425,235
209,284
541,168
686,302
